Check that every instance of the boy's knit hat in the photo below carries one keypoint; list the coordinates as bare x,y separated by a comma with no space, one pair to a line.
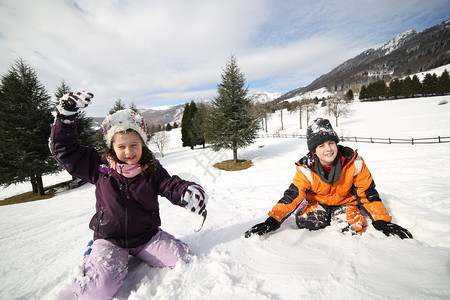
318,132
121,121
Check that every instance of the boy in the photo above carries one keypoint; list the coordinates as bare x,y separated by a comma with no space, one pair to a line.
332,183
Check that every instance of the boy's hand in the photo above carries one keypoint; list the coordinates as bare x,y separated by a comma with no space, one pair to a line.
71,104
262,228
389,228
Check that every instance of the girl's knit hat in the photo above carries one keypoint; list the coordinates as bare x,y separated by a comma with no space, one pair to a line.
121,121
318,132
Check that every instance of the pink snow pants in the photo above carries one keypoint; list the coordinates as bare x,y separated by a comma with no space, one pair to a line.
103,271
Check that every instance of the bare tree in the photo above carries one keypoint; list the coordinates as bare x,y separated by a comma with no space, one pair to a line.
306,106
261,110
338,107
310,107
161,139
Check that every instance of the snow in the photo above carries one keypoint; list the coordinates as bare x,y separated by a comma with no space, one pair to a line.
438,71
42,242
397,41
319,93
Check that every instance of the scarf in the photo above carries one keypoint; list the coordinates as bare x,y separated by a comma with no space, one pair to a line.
335,173
129,171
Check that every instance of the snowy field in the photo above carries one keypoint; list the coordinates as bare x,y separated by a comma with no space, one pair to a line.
42,242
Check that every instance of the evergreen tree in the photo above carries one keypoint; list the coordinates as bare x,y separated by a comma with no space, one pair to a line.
231,125
443,85
61,90
118,105
363,93
186,126
198,124
430,83
25,116
133,107
192,132
407,87
349,95
395,88
416,86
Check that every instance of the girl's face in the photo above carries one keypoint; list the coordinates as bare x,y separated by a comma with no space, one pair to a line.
128,147
327,152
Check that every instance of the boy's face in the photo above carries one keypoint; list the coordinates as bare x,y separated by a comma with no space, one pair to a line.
128,147
327,152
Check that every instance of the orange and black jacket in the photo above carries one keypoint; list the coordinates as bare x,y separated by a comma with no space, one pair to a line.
354,187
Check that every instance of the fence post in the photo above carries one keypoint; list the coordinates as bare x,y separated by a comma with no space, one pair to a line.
412,141
389,140
439,138
371,140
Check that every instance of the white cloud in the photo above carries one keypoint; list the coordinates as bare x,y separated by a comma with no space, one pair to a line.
167,49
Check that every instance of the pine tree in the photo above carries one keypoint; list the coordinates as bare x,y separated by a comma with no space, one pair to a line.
407,87
231,125
118,105
443,85
186,126
198,124
416,86
192,132
429,84
395,88
349,95
133,107
25,118
61,90
363,93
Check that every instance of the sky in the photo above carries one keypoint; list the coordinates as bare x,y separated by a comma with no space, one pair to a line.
156,53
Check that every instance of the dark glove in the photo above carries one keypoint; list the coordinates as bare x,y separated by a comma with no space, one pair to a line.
389,228
70,105
262,228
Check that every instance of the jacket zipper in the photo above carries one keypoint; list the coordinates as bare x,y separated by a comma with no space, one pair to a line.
126,211
124,187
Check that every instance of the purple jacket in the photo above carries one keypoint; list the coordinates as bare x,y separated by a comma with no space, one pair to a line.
127,209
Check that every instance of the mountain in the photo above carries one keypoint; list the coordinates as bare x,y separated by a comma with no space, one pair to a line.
407,53
263,97
155,115
163,115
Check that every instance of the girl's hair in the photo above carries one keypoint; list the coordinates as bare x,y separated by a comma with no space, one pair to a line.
147,158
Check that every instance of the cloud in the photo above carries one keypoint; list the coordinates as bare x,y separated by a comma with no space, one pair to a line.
161,52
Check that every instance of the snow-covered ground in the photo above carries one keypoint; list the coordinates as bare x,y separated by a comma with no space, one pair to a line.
42,242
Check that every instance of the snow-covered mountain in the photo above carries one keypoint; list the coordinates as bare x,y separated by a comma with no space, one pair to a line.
398,41
174,113
263,97
405,54
163,115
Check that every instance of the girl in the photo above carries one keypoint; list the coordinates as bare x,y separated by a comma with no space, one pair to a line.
128,180
332,183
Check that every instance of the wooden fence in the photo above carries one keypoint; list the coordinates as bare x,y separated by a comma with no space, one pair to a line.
412,141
